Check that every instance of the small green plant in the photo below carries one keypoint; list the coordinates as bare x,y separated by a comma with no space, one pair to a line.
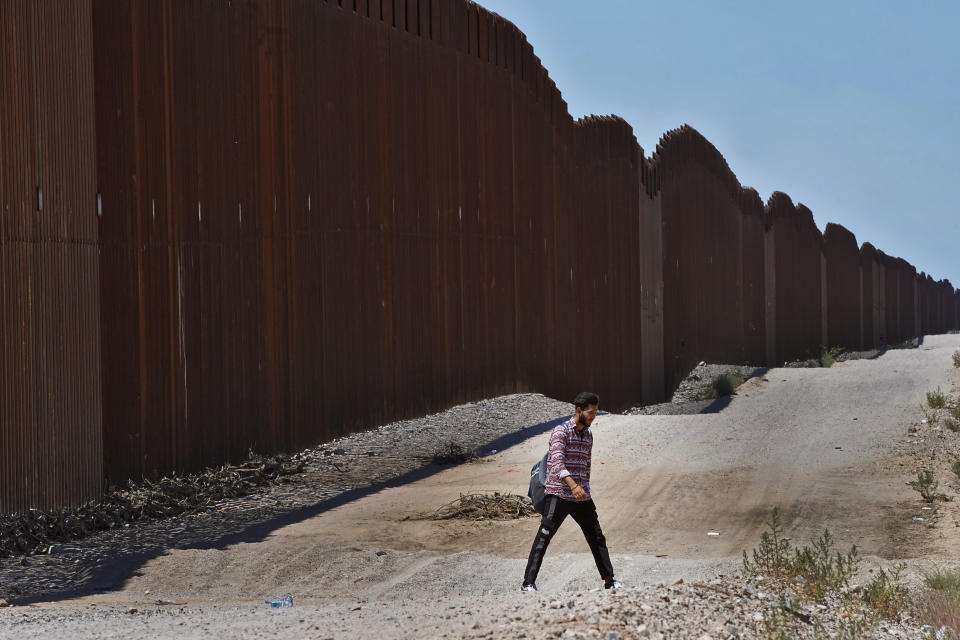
955,412
823,570
955,467
956,358
926,484
772,557
952,424
931,417
936,399
884,594
725,384
828,357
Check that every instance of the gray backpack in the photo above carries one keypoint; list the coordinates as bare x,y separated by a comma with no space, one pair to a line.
538,483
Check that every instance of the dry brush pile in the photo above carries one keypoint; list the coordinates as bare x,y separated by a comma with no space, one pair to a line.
35,530
482,506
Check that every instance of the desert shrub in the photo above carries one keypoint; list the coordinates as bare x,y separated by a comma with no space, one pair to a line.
952,424
825,571
829,356
725,384
926,485
884,594
822,570
955,467
772,557
956,358
936,399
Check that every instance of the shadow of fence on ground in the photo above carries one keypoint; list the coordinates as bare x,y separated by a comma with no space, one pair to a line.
121,560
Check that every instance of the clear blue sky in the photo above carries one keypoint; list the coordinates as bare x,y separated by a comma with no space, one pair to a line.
850,107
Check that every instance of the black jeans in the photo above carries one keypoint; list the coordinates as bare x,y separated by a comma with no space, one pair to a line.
555,511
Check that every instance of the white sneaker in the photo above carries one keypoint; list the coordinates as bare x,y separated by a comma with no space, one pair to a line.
613,584
528,587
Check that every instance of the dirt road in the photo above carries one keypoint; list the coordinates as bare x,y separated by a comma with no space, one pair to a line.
829,447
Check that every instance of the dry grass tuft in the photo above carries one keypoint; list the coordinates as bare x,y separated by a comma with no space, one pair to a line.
940,608
941,613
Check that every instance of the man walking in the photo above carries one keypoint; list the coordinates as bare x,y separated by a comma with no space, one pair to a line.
568,492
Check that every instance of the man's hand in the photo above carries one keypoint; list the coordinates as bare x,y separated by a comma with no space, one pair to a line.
578,491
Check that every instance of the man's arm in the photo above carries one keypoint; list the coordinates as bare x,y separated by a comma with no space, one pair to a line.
558,453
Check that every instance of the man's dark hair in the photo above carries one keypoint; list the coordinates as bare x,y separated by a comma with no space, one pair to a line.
585,399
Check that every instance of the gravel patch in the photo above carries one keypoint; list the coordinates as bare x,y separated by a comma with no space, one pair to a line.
726,607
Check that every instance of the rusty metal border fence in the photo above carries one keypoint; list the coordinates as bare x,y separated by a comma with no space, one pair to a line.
286,260
267,223
50,381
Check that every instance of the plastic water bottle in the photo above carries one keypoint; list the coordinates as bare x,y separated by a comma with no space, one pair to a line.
281,603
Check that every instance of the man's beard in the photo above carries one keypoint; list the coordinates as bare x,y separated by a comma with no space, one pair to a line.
583,420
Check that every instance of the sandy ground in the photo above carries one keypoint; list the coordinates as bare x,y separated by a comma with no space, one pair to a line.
829,447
